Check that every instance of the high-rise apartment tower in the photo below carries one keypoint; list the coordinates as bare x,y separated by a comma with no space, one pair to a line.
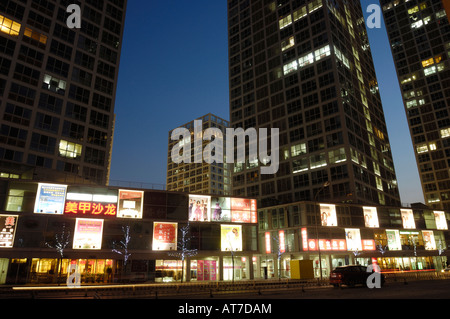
306,68
57,88
419,35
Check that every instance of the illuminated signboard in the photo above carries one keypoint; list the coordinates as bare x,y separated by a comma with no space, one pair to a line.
428,239
304,232
353,239
327,244
408,218
267,240
231,237
328,215
221,209
164,236
243,210
8,225
368,244
393,239
441,220
50,199
88,234
130,204
281,239
371,217
90,208
199,208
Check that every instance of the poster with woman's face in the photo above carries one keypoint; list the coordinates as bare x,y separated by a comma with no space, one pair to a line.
199,208
231,237
408,218
370,217
328,215
441,221
220,209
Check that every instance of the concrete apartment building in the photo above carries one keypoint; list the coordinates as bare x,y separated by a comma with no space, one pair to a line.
57,89
419,34
306,68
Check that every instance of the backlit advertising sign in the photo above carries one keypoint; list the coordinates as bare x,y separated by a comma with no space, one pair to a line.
327,244
88,233
441,220
231,237
328,215
428,239
130,204
408,218
8,225
370,217
393,239
243,210
267,240
281,239
50,199
221,209
164,236
90,209
199,208
353,239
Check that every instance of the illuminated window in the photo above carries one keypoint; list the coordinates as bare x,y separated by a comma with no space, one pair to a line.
423,148
314,5
300,13
322,52
290,67
337,156
53,84
445,133
287,44
430,70
35,35
428,62
413,10
284,22
69,150
319,160
305,60
417,24
298,149
411,104
432,146
9,27
379,183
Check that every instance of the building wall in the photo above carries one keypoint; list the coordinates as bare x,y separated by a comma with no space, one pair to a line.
419,34
306,68
201,178
58,88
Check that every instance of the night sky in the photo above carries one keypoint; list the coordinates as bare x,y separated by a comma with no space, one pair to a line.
174,68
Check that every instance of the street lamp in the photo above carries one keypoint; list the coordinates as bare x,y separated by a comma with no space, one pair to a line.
326,184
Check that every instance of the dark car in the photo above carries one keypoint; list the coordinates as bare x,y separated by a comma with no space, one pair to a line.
351,275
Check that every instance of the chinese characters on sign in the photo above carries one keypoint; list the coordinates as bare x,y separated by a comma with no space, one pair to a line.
90,208
7,230
50,199
164,236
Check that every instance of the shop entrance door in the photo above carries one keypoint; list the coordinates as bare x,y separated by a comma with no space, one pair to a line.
3,270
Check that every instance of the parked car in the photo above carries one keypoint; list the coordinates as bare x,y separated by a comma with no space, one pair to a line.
351,275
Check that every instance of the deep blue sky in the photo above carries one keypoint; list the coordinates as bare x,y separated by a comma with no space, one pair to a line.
174,68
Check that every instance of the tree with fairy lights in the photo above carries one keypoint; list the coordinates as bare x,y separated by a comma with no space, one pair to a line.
60,243
183,251
122,247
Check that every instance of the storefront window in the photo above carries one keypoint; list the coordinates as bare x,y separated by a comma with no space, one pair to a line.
204,270
236,266
168,270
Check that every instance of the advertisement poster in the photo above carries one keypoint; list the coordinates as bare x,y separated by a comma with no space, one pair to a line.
206,270
393,239
130,204
282,240
231,237
328,215
371,217
199,208
50,199
221,209
327,244
7,230
243,210
353,239
88,233
428,239
267,241
441,221
164,236
408,218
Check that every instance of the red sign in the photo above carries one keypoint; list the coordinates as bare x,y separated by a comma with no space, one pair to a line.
368,244
282,241
90,208
268,248
327,244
